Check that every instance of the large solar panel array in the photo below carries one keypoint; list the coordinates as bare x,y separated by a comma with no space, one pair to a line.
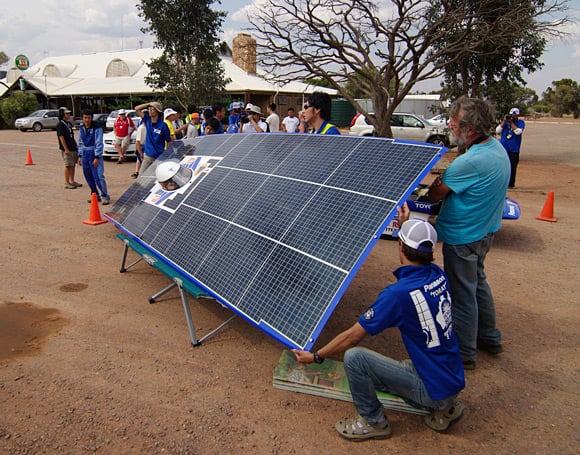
275,225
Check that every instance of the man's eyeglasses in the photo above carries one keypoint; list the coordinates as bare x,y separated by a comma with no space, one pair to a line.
307,106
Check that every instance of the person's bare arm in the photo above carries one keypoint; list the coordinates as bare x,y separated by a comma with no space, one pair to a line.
438,190
139,109
63,142
340,343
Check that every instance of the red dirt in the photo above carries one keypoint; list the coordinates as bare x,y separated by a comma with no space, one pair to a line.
119,375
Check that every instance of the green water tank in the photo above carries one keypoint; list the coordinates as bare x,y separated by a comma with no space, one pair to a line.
342,113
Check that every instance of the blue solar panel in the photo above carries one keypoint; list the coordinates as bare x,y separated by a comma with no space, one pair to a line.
275,225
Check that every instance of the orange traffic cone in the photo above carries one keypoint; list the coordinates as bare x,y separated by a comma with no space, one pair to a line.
548,210
94,213
28,158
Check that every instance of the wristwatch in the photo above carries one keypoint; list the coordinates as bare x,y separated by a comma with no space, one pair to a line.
317,358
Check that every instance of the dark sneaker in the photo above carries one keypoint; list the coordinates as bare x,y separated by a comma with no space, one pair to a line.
77,184
490,348
134,175
357,429
68,186
469,364
89,200
441,421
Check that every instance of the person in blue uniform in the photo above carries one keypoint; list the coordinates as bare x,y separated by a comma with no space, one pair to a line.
317,114
511,130
419,305
158,136
91,157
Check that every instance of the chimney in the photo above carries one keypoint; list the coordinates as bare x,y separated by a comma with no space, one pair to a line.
244,53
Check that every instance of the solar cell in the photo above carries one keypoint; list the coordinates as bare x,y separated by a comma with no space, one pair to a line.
274,225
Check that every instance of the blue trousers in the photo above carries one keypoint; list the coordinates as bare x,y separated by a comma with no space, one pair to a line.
473,308
369,371
95,176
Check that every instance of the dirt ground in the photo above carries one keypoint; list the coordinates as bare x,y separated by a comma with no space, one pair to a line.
88,365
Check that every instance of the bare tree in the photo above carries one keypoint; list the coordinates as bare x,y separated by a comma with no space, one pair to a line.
384,48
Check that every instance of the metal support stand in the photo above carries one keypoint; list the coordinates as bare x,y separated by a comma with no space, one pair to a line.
178,281
125,250
185,302
163,291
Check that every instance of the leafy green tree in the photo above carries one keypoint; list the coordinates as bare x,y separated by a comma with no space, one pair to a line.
317,81
494,69
506,95
189,70
19,104
563,98
3,58
385,48
501,58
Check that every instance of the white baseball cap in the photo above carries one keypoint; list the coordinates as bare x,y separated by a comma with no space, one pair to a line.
167,112
415,233
514,110
122,111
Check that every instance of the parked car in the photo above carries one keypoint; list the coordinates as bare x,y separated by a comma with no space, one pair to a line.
440,119
421,207
109,150
114,114
403,126
44,118
99,120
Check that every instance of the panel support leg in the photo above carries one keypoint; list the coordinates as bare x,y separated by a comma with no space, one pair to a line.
185,302
163,291
124,259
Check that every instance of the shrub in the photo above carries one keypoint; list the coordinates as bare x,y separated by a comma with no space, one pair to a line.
19,104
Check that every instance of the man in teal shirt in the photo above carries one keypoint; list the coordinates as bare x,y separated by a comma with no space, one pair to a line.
473,190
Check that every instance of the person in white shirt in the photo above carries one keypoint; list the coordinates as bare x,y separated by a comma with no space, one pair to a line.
254,124
140,137
290,123
273,120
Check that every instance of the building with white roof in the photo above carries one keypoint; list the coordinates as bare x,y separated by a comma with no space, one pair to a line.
102,78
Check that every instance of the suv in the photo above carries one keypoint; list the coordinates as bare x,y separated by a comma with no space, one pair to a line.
113,116
45,118
404,126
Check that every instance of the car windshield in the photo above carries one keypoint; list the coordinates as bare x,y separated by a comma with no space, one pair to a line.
36,114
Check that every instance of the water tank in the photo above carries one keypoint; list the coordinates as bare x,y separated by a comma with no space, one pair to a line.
342,113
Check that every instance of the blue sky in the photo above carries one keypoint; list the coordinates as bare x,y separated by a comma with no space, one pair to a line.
48,27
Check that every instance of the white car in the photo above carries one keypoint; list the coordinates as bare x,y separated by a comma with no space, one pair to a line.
109,150
403,126
440,119
132,114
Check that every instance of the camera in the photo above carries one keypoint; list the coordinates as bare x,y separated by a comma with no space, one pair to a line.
244,118
508,117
